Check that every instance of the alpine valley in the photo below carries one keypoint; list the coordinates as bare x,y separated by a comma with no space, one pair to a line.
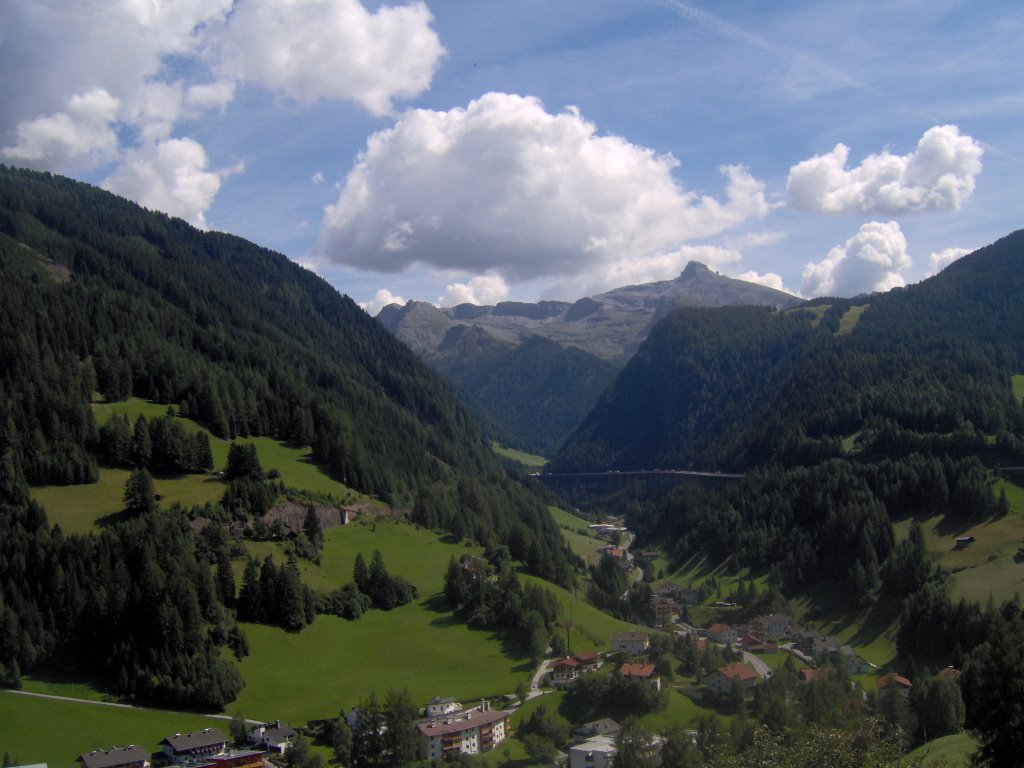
227,492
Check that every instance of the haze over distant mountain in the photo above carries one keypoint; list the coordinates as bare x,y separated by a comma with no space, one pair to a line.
530,373
609,325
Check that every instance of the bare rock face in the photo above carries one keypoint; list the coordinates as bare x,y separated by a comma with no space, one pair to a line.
609,325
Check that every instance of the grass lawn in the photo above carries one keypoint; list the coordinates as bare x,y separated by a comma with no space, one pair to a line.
1018,385
681,710
333,664
949,751
531,460
591,629
36,730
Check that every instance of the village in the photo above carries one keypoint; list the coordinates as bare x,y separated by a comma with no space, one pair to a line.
447,728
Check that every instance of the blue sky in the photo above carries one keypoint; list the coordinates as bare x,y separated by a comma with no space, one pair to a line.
454,151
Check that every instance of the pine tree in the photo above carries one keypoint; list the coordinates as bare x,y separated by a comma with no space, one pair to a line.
139,494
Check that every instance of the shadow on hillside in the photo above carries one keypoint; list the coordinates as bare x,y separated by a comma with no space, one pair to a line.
445,618
114,518
949,525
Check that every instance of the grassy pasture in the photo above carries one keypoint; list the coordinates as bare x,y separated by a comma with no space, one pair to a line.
1018,385
531,460
56,732
850,319
948,751
579,537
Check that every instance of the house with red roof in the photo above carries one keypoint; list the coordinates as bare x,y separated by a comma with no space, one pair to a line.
643,672
723,633
721,680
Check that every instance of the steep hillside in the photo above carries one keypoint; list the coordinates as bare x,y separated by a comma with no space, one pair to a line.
100,299
736,388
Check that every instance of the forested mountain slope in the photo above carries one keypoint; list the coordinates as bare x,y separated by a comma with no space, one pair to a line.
736,388
100,295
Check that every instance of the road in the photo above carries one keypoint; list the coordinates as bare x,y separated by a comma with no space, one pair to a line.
538,676
54,697
762,669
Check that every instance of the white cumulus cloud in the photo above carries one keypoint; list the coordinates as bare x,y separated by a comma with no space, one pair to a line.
481,290
503,187
82,132
871,260
380,299
938,175
768,279
939,260
169,176
330,49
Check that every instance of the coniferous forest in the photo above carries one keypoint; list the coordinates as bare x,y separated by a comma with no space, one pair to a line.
99,297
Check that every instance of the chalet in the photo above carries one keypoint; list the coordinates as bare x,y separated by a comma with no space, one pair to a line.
603,727
886,684
595,752
589,661
804,640
643,672
723,633
438,707
184,746
632,643
721,680
763,648
772,626
132,756
468,733
564,671
273,737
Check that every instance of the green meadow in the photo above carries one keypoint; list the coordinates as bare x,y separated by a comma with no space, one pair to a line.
947,752
34,730
530,460
1018,385
579,537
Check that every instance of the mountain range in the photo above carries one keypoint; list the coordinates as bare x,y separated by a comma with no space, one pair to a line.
530,372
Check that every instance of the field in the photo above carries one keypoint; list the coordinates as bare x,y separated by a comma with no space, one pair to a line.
988,564
34,730
1018,385
83,508
579,537
947,752
850,319
531,460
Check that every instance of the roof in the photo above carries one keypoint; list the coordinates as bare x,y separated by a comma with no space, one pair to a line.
636,669
461,723
183,742
718,628
566,662
100,758
950,673
739,671
445,700
596,744
603,727
278,732
890,679
623,637
587,657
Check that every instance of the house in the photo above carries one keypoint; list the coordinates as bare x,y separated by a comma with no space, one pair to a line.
564,671
632,643
603,727
589,661
595,752
132,756
773,626
810,674
763,648
643,672
666,610
950,673
721,680
886,684
470,733
438,707
183,746
804,640
273,737
723,633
